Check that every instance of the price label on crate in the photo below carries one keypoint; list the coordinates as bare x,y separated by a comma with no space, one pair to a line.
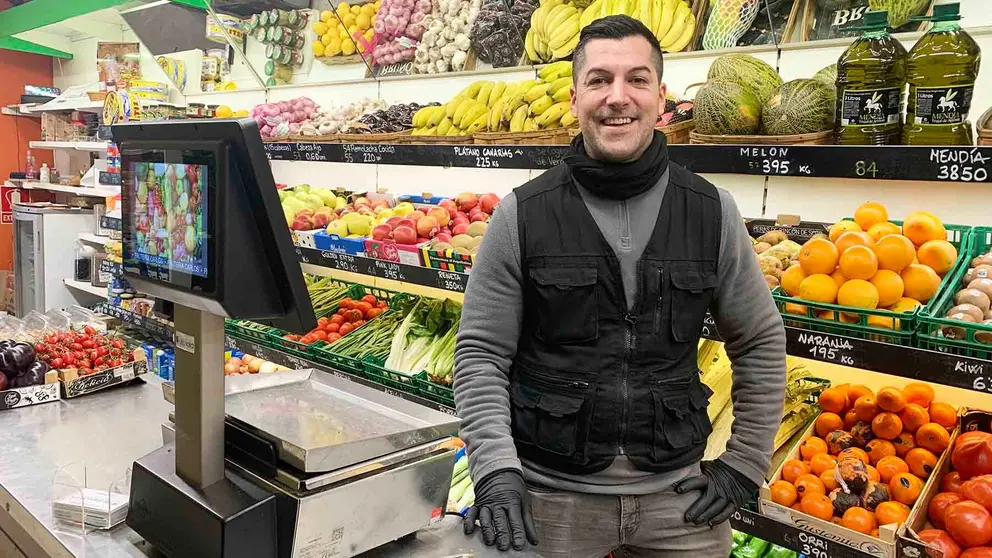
452,281
773,160
828,348
296,362
968,164
280,151
369,153
310,152
484,157
389,270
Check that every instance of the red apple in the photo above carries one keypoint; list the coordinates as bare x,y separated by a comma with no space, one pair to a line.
403,222
461,228
320,220
460,215
466,201
448,205
382,232
421,240
480,216
460,221
302,223
361,200
405,235
428,227
305,213
416,215
445,230
394,222
444,237
441,214
488,202
379,203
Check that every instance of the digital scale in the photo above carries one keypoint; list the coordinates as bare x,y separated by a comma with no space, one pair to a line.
297,464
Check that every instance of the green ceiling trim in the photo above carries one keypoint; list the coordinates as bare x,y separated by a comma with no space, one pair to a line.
39,13
201,4
13,43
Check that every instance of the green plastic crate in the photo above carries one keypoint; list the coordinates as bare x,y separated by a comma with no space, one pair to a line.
932,322
258,333
900,328
375,371
322,353
435,392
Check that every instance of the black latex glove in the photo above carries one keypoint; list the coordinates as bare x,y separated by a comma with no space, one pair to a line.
723,490
502,506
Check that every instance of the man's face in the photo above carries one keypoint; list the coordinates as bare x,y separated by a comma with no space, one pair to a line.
617,97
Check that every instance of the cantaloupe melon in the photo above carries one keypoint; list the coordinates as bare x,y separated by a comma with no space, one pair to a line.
746,70
726,108
899,10
800,106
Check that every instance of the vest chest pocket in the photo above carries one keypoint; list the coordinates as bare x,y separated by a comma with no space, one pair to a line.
549,416
692,291
565,304
681,419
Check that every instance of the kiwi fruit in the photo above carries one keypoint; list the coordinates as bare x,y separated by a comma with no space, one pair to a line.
984,336
970,309
973,296
983,284
984,259
952,332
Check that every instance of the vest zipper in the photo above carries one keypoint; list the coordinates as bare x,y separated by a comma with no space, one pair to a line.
658,302
629,334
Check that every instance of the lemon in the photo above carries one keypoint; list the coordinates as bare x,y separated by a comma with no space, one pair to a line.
333,48
369,34
326,16
378,4
343,33
368,9
224,111
352,30
355,10
361,48
334,23
319,27
348,48
327,38
343,7
318,48
363,22
348,20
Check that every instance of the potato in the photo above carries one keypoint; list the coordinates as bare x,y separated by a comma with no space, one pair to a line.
773,237
761,247
973,296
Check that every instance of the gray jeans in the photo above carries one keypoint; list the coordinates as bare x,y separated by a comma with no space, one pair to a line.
573,525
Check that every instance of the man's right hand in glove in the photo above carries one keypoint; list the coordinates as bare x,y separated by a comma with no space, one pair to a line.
502,507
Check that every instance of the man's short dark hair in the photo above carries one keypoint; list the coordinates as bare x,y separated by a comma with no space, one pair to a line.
615,27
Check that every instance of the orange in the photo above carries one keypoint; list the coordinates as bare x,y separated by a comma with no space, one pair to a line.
869,214
818,288
849,239
809,484
827,423
833,400
817,505
921,462
889,285
939,255
920,393
858,293
793,308
921,282
818,256
859,519
841,227
866,408
812,447
783,493
921,226
878,230
894,252
858,262
901,306
791,278
828,315
793,469
888,513
886,425
933,437
890,399
838,277
850,419
914,416
879,448
829,479
856,391
890,466
873,475
904,442
822,462
943,414
856,453
905,488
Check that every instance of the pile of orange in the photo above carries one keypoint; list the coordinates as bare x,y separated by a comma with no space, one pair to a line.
870,456
870,263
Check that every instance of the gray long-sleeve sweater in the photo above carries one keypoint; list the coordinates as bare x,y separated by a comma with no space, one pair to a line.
491,319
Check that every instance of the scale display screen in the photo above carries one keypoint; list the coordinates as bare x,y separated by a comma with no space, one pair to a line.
169,211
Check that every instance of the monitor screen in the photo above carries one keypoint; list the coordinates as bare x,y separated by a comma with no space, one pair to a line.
169,216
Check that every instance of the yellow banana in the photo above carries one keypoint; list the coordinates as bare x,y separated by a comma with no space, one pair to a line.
563,94
539,106
644,12
495,93
529,46
436,117
444,126
681,16
556,20
590,14
479,124
685,37
537,18
459,113
420,117
472,115
483,95
568,120
657,8
432,131
472,89
453,130
566,49
541,46
606,9
496,114
530,125
563,68
536,92
552,115
667,15
559,84
519,116
565,32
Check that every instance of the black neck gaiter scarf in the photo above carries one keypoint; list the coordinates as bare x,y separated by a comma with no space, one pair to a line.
619,181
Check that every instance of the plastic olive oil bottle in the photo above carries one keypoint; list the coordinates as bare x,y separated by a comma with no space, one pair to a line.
941,70
871,76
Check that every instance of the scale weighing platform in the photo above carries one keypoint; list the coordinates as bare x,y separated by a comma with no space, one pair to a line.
297,464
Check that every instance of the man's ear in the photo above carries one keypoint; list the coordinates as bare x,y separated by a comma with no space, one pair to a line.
663,94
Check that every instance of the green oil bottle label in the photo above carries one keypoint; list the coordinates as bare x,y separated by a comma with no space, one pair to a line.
942,105
868,108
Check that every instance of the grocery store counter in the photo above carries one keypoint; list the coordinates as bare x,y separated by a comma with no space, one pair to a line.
107,431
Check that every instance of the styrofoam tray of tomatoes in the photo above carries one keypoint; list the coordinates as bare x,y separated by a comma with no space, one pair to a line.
350,315
956,519
866,460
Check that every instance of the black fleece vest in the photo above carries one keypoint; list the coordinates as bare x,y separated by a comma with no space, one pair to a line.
592,380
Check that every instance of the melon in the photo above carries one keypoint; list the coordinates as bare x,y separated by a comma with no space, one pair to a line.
899,10
746,70
726,108
800,106
827,75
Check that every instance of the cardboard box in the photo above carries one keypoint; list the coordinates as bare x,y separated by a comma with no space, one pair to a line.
339,244
74,385
883,546
32,395
910,544
392,251
305,238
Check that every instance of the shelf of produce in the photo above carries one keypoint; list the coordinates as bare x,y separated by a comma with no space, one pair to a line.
410,274
154,327
93,238
792,537
92,191
949,164
97,146
100,292
295,362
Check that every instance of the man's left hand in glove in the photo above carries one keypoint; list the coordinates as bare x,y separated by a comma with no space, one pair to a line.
722,491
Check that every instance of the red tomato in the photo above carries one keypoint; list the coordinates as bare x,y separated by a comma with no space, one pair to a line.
76,347
342,311
99,361
941,541
322,321
337,319
332,328
951,482
85,363
117,344
977,552
938,507
40,349
370,299
969,523
978,489
359,323
319,335
102,351
332,337
972,455
363,307
307,339
56,363
353,315
345,329
382,304
373,313
90,330
89,344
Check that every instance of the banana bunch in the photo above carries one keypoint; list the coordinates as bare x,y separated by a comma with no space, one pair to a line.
488,106
672,22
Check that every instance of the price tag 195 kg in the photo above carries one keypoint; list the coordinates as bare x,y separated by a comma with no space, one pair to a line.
827,348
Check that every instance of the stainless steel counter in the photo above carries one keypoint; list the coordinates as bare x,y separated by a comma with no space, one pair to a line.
108,431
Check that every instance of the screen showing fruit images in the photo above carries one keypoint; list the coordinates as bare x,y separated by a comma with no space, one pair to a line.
170,204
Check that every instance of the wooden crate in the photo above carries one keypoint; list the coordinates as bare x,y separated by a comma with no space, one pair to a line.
818,138
984,128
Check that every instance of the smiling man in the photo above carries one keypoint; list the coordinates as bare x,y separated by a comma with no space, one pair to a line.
575,367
